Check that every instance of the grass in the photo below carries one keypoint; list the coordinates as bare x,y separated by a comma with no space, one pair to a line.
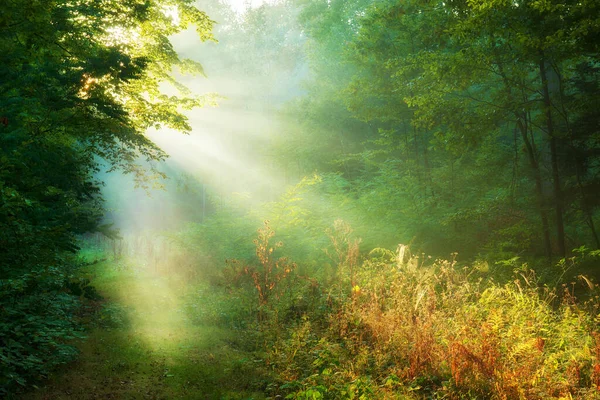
386,326
411,328
144,345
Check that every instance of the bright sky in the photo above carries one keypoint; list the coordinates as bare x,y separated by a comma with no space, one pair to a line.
241,5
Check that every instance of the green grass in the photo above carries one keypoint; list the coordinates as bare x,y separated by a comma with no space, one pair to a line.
144,345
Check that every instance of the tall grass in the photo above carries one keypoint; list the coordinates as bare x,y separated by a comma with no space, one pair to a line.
411,327
391,325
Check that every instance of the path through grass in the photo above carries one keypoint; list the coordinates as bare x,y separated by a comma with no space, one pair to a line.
145,346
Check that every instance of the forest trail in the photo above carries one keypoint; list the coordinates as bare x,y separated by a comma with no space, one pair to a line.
145,346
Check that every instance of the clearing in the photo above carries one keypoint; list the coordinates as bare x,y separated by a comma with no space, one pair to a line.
145,343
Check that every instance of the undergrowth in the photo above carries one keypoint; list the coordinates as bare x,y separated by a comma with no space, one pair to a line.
390,325
38,322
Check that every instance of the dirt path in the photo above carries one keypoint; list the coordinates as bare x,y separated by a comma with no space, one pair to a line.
147,347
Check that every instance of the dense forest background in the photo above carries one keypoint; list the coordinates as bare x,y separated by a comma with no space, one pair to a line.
424,167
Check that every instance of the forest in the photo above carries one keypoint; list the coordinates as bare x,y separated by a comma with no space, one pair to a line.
300,199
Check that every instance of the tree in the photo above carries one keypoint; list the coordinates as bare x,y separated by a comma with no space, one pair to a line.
446,86
79,85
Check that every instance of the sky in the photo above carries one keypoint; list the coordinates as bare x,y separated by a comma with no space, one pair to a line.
240,5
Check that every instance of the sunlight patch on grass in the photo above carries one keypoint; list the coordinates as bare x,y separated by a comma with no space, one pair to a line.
155,311
145,346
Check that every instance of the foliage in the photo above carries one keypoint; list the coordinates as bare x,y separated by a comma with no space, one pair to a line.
79,84
416,329
397,325
418,104
36,328
266,278
427,122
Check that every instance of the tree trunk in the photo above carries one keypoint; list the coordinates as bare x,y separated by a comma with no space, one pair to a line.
523,125
558,197
537,176
579,168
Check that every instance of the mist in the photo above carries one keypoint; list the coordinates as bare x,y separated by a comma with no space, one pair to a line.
228,154
360,199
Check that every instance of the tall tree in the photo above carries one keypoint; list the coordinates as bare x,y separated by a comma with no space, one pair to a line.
79,85
447,83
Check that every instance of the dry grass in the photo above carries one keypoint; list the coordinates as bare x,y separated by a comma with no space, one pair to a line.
413,328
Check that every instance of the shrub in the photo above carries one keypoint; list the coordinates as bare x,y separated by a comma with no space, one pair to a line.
36,324
416,328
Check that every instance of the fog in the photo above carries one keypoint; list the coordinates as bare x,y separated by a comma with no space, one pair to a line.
228,152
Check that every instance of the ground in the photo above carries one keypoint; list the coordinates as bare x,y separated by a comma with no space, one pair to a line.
143,344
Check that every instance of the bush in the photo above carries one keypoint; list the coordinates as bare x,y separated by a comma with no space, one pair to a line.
420,329
36,324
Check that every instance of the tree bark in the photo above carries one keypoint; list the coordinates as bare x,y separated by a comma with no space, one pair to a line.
537,176
523,125
558,197
579,168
